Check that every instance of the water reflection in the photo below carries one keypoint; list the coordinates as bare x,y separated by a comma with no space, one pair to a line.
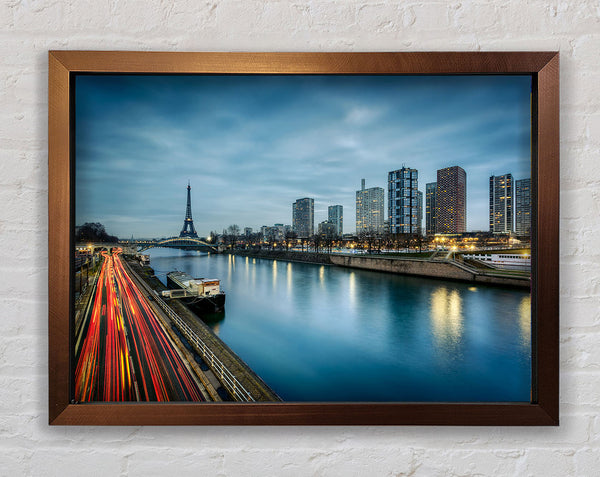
525,320
289,278
446,317
352,288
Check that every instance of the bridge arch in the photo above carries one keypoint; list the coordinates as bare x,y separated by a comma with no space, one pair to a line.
182,243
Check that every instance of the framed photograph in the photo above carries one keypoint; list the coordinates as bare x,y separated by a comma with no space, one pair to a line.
303,238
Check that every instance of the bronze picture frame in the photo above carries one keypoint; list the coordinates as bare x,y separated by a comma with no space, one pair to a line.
544,406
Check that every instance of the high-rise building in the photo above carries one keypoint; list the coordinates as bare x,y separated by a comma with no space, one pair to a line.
430,208
501,204
335,215
523,207
303,217
247,231
403,201
451,200
369,209
420,212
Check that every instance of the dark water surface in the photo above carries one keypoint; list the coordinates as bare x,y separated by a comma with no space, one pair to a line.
322,333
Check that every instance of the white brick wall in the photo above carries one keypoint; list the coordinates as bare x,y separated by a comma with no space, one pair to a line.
28,29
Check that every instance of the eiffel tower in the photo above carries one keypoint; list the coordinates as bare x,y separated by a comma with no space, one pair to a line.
188,229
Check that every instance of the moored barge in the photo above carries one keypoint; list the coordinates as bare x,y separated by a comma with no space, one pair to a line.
203,295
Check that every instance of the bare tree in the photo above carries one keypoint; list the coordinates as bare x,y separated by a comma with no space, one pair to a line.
289,236
233,231
317,240
368,238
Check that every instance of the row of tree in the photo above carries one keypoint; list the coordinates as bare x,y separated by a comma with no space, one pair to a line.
93,232
368,240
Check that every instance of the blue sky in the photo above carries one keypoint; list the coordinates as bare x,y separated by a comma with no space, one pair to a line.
252,145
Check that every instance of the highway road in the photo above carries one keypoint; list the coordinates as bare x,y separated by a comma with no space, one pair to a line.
126,354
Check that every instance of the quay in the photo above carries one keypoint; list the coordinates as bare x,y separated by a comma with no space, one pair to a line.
430,267
226,368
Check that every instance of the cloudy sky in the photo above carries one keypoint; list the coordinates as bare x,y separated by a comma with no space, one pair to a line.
251,145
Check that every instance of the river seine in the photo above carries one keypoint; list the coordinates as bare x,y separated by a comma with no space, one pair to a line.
323,333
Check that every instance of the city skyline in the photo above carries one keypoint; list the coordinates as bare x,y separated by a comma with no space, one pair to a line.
251,146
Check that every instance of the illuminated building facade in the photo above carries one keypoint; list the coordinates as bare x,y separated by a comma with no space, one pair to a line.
369,209
303,217
327,229
420,212
523,207
501,204
451,200
335,215
403,201
430,204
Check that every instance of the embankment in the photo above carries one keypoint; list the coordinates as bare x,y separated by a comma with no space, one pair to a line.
307,257
447,270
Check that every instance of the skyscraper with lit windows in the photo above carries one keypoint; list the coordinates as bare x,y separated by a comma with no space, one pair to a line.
451,200
419,212
369,209
523,207
303,217
501,204
403,201
335,215
430,208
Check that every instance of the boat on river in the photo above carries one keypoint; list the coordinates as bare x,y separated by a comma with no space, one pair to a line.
202,295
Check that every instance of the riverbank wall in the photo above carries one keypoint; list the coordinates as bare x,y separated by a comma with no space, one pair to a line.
440,269
288,256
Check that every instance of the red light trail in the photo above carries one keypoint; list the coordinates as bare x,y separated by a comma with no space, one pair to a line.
126,354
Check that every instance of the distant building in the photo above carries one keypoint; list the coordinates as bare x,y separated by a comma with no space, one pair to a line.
270,234
430,208
327,229
420,212
501,204
336,217
303,217
248,231
523,207
451,200
263,232
369,209
279,231
403,201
